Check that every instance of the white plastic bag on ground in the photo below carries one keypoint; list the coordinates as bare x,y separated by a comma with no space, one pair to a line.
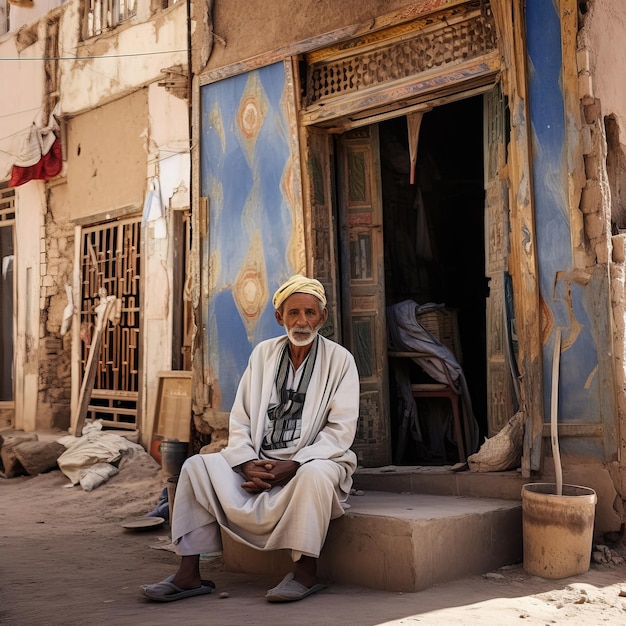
93,447
95,475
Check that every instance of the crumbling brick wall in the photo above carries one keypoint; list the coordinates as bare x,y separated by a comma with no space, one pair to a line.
57,253
594,202
601,204
605,239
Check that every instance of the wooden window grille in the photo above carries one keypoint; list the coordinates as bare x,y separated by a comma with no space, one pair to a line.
100,16
111,265
7,203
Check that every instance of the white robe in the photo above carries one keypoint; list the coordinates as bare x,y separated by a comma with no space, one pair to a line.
295,516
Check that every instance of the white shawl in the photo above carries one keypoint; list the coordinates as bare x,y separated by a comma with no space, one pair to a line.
329,415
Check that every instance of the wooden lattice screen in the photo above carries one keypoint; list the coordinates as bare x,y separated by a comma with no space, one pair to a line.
425,45
111,266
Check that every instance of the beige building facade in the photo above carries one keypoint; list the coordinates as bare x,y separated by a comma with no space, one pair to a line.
116,87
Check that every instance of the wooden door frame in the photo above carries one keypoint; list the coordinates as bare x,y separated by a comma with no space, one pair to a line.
522,260
510,26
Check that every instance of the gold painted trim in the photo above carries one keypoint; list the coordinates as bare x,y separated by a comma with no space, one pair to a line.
404,94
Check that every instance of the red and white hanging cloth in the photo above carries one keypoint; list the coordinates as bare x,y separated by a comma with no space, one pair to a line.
39,157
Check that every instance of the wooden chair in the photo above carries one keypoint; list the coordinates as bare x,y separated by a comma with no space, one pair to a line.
444,325
438,390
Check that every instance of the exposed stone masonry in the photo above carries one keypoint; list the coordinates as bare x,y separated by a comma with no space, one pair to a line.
57,252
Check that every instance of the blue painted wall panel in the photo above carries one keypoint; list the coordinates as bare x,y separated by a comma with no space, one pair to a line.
579,386
245,159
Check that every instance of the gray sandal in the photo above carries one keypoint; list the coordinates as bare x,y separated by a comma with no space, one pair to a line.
167,591
290,590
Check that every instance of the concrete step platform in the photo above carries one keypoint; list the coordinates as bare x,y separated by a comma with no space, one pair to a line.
440,480
405,541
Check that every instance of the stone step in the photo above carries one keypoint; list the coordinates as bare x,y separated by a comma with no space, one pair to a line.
441,480
404,541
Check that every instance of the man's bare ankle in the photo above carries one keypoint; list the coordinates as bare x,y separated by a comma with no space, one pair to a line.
305,571
186,581
305,579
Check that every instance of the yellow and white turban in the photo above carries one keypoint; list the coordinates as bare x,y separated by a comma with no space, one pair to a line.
299,284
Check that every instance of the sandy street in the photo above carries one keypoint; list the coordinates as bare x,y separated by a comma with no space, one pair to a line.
65,559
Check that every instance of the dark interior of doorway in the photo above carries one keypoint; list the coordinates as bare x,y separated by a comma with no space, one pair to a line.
437,253
6,313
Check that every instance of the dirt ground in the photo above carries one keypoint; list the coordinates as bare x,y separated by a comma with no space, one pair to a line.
65,559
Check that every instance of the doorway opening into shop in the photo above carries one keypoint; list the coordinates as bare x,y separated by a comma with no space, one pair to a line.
434,246
432,239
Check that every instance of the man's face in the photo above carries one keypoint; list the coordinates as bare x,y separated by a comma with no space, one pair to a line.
301,316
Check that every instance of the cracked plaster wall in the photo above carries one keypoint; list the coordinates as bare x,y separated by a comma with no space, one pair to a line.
601,55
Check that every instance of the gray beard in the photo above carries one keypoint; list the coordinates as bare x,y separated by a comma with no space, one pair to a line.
300,343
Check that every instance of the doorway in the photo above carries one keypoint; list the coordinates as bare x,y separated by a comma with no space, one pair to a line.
7,288
432,238
435,253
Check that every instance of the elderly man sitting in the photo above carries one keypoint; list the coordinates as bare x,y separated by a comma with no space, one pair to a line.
288,466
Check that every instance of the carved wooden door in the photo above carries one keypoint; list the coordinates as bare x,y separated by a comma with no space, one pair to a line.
363,286
319,198
500,398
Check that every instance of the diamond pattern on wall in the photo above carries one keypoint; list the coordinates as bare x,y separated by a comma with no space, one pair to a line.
250,177
251,113
250,290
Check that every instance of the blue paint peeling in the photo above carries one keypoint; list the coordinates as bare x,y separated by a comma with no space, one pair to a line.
243,184
549,162
579,382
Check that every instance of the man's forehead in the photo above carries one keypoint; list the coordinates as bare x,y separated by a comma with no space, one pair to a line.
301,299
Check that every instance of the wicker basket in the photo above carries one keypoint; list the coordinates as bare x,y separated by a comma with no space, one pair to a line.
443,324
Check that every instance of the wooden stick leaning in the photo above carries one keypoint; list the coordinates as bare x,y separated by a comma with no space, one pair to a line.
554,411
103,311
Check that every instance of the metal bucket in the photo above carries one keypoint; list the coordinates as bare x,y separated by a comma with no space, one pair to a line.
557,530
173,455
